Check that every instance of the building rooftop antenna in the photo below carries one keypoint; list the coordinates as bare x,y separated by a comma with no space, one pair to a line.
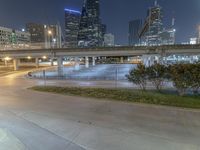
173,21
156,3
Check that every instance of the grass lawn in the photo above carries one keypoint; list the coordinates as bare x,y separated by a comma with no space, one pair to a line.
126,95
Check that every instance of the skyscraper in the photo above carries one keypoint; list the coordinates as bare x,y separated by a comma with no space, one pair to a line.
72,20
134,28
44,36
83,27
11,38
109,40
103,29
53,36
198,35
152,36
153,26
37,32
90,30
167,36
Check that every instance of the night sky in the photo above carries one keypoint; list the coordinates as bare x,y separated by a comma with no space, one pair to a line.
115,13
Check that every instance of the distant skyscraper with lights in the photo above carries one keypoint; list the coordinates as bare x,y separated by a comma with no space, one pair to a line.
167,36
153,25
90,29
11,38
153,32
83,27
134,28
103,29
44,36
198,35
72,21
109,40
37,32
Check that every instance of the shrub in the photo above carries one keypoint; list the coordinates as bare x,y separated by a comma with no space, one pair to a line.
157,74
181,77
195,77
138,76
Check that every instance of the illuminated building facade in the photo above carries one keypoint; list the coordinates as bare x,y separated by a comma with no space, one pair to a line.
109,40
90,29
134,29
37,32
10,38
72,21
44,36
153,33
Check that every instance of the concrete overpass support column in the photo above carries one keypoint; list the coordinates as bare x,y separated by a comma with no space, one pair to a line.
37,62
86,62
157,59
149,60
52,59
153,60
162,60
19,62
77,63
60,66
16,64
93,61
121,60
6,63
146,60
192,59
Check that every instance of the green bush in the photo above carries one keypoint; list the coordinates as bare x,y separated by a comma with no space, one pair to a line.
180,75
138,76
157,74
184,76
195,77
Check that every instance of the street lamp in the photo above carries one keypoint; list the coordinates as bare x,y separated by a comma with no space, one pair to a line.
29,57
50,36
44,57
49,32
7,58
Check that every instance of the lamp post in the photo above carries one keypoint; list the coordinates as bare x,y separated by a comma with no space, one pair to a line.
50,38
6,60
116,77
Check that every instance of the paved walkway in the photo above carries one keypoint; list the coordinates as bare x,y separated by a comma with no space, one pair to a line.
43,121
9,142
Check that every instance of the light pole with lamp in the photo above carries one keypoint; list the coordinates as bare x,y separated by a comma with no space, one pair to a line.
50,36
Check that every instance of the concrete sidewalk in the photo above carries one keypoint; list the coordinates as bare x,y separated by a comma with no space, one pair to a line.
9,142
44,121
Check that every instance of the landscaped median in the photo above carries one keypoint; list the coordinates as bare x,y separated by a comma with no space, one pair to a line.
126,95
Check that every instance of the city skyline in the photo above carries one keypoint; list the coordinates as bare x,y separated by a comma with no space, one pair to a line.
54,12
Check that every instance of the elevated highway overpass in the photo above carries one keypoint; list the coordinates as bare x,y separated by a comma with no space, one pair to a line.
104,51
147,53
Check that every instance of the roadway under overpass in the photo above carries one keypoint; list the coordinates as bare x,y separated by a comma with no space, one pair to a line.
149,54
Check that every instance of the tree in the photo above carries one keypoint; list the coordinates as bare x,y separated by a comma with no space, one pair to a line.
138,76
195,77
157,74
181,77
